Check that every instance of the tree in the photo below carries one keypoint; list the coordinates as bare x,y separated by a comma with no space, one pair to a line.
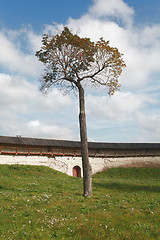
70,61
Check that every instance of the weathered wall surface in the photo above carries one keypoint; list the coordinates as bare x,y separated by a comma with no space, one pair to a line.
65,164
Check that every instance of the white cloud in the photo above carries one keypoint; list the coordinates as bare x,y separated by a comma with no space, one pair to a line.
115,8
36,128
139,44
13,58
39,129
149,126
16,93
21,100
34,41
21,96
123,105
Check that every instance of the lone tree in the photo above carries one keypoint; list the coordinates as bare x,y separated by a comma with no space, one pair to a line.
70,61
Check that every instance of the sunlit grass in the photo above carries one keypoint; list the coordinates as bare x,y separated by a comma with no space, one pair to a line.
40,203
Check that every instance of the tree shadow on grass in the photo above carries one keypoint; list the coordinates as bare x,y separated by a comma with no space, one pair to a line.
127,187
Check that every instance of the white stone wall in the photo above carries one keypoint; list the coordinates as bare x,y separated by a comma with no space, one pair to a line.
132,162
65,164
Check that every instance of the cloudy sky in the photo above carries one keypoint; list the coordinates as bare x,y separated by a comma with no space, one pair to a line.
131,115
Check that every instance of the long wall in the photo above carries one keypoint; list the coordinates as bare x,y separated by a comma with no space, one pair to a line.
66,164
65,156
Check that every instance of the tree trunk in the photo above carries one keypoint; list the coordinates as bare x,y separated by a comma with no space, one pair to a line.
87,170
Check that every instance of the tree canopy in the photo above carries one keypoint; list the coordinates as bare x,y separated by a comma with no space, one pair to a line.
70,59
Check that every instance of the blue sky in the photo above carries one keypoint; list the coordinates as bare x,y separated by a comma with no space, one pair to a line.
37,13
131,115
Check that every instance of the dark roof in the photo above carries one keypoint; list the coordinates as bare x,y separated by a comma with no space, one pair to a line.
37,142
40,142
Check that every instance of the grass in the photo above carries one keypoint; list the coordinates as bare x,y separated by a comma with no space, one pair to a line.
40,203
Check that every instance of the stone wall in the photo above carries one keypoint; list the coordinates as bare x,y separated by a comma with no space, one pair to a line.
65,164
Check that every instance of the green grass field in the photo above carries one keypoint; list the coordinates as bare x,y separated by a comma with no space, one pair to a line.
40,203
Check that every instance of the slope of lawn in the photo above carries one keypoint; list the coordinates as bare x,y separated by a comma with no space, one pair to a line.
40,203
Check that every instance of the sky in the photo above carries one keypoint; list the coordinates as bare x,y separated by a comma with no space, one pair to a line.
130,115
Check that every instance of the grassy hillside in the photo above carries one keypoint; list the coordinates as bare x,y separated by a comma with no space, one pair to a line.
39,203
